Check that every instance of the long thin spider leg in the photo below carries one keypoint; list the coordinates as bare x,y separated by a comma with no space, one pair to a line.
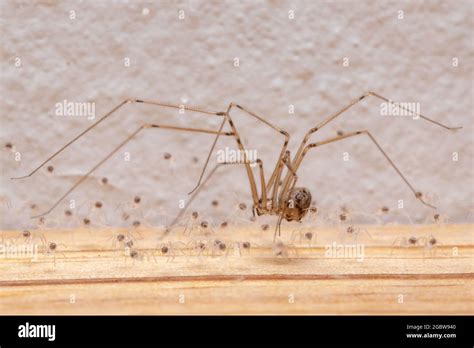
180,107
130,137
128,101
418,195
261,119
253,186
285,160
356,101
206,180
263,198
209,156
412,112
278,227
281,131
292,170
282,197
347,107
103,118
276,184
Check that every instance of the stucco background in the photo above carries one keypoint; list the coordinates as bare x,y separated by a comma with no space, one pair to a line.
191,61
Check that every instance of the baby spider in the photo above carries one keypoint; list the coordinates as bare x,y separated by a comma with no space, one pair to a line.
123,240
244,246
93,213
136,255
286,200
339,218
170,161
354,232
137,227
313,214
119,239
51,249
405,242
284,250
303,236
219,248
438,219
239,214
234,248
205,228
170,250
29,237
133,213
430,245
192,222
199,247
129,244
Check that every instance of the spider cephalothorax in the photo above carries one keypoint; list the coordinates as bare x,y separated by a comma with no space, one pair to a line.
298,203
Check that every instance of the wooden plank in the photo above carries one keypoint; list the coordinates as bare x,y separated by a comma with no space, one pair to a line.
87,276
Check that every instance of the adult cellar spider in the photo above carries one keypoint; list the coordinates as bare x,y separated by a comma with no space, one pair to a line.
277,197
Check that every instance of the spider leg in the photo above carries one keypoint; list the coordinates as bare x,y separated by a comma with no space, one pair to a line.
194,195
417,194
208,157
301,148
282,198
279,130
356,101
401,240
278,227
292,172
130,137
285,160
259,118
263,200
276,184
107,115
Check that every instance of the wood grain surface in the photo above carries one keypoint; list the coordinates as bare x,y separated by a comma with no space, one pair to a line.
90,274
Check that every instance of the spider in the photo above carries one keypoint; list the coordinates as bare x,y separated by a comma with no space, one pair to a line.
219,248
438,219
51,249
170,250
285,251
279,195
122,240
242,246
30,237
430,245
406,242
137,256
198,248
201,226
306,235
354,232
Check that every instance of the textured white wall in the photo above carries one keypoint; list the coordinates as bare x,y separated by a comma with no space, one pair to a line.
190,61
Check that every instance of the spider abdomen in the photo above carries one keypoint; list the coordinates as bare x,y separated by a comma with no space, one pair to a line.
298,203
